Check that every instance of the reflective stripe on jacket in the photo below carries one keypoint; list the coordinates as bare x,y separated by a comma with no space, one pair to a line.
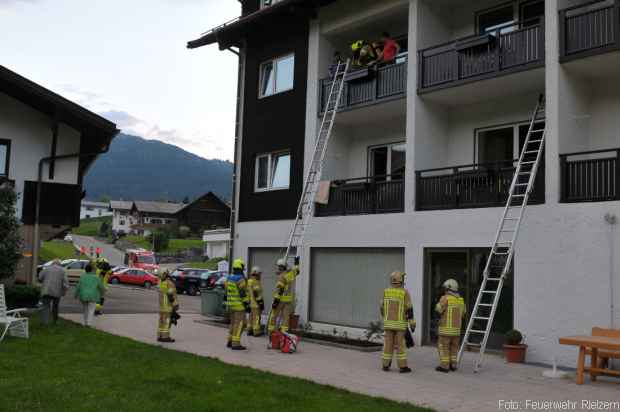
285,287
452,310
236,293
167,296
256,292
396,301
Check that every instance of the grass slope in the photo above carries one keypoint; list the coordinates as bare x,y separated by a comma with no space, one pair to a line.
57,249
174,245
70,368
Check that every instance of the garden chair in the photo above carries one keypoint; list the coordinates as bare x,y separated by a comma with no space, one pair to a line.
13,323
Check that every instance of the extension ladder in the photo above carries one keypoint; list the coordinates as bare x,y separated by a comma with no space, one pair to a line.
499,262
305,209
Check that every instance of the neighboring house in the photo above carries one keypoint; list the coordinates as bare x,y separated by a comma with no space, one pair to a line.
152,215
206,212
217,243
422,155
91,209
45,136
122,219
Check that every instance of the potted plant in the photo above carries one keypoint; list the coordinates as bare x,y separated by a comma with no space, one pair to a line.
514,348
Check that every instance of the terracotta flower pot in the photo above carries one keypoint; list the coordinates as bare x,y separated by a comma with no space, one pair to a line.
515,353
293,322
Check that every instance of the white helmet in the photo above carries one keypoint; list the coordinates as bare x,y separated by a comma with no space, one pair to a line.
256,271
452,285
281,263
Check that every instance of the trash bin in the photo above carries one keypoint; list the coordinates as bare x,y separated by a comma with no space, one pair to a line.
212,302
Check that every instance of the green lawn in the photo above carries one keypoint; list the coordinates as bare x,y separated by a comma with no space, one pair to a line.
210,264
90,227
174,245
57,249
71,368
139,241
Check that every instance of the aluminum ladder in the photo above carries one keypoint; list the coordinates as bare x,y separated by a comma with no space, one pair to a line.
499,262
305,209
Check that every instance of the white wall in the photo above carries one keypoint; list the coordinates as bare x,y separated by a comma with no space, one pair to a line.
119,216
31,138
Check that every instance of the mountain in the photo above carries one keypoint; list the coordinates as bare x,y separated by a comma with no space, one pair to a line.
140,169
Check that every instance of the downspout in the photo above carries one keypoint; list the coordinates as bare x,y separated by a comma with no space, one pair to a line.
238,127
612,220
35,243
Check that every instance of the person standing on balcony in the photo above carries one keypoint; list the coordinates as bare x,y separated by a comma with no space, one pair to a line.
397,313
390,49
451,307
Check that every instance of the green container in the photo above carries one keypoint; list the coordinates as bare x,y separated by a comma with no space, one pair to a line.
212,302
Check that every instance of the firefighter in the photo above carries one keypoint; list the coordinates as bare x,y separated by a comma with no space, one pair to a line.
397,313
104,270
257,305
451,307
283,296
168,303
238,304
364,53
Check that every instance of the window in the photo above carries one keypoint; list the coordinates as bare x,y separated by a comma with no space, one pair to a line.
388,161
267,3
498,144
122,222
489,21
273,171
5,153
277,76
530,11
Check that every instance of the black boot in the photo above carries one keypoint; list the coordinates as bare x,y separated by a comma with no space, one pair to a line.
239,348
229,344
386,368
250,333
406,369
442,369
453,368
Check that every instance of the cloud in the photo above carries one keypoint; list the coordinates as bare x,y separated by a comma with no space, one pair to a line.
9,3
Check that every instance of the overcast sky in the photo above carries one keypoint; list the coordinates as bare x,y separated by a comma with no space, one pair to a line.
127,60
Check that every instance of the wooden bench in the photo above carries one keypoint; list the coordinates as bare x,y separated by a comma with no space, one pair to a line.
603,356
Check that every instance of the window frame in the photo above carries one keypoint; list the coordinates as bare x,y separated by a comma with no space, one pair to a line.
7,165
273,3
274,63
270,171
370,165
515,137
515,15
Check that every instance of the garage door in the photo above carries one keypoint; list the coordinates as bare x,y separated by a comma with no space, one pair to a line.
266,258
346,283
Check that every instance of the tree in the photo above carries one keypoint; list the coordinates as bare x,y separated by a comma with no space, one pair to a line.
104,229
105,199
159,239
10,241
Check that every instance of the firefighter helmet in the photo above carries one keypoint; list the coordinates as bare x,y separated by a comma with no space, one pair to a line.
238,264
281,263
255,271
397,278
452,285
357,45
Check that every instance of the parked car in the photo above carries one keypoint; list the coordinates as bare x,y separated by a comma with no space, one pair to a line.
189,280
68,238
213,277
133,276
74,268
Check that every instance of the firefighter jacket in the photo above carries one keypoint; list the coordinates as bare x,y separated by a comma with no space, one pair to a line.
452,309
285,286
256,292
236,293
397,309
167,296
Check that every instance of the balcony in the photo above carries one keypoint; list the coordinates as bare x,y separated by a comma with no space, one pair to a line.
589,29
592,176
364,196
471,186
369,86
508,49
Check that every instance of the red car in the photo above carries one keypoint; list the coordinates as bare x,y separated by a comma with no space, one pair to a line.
134,276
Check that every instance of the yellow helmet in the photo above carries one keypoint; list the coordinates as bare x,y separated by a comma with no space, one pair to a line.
163,275
397,278
238,264
452,285
357,45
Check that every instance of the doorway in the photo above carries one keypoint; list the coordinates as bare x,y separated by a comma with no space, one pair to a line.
466,266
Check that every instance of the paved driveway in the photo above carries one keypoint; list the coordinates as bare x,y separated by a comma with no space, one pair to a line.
113,255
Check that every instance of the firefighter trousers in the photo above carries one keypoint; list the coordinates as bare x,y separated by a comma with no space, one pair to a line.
254,321
394,341
448,347
163,329
281,314
237,322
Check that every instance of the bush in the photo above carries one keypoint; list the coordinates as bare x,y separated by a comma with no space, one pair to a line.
105,229
10,241
184,232
160,240
22,296
513,337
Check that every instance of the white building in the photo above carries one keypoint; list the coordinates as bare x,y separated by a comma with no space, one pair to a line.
122,219
422,154
49,141
90,209
217,243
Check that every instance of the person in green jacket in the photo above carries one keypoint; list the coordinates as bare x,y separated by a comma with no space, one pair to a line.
89,291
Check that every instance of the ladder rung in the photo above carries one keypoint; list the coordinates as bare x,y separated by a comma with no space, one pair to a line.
535,141
521,184
485,304
528,163
481,318
478,331
494,279
491,292
518,195
531,151
538,130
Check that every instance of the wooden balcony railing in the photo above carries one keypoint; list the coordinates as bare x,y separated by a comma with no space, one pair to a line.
592,176
589,28
365,196
471,186
368,86
510,48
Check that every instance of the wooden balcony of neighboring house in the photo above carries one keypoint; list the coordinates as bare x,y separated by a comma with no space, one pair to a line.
364,196
471,186
592,176
589,28
507,49
367,86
